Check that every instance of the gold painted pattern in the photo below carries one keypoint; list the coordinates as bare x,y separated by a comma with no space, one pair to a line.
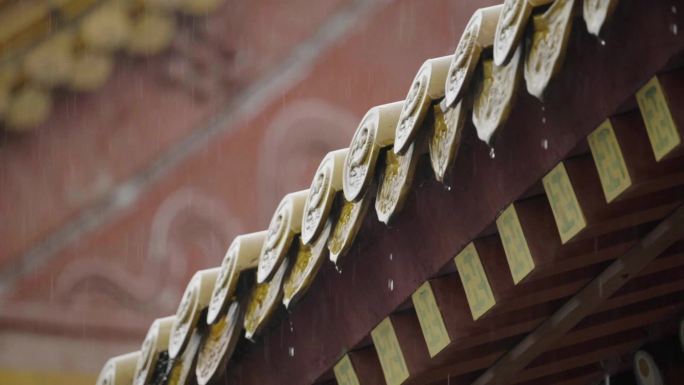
346,227
389,352
446,138
609,161
494,101
307,262
395,182
430,319
344,372
549,41
661,128
515,245
566,209
218,345
475,283
263,301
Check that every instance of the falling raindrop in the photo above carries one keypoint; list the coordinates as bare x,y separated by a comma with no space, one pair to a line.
543,119
447,187
390,284
674,9
290,351
602,42
337,268
391,256
543,108
673,28
545,144
492,153
291,327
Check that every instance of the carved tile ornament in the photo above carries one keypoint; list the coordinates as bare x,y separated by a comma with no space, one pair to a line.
427,86
596,12
510,28
118,370
478,35
494,100
155,342
195,299
307,260
347,226
285,224
327,182
546,50
243,254
446,138
263,301
395,182
375,131
218,345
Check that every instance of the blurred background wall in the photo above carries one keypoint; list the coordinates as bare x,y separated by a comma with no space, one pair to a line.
126,165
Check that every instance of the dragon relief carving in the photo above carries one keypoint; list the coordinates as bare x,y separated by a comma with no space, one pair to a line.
224,282
394,182
547,46
510,28
413,110
494,101
360,161
218,344
276,242
184,319
318,202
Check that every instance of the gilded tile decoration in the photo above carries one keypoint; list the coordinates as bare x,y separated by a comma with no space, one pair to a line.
319,200
446,138
414,110
307,262
430,319
347,226
389,352
596,12
360,163
661,128
494,100
549,41
514,243
156,340
566,209
225,283
475,283
185,318
464,61
395,183
263,301
510,29
218,345
344,372
610,164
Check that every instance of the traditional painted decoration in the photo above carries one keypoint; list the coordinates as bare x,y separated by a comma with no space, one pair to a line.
389,352
549,41
446,137
263,301
119,370
646,369
375,131
155,342
566,209
475,283
430,319
194,301
478,35
307,261
243,254
218,345
427,86
515,246
596,12
494,100
609,161
347,226
327,182
661,128
344,372
285,224
395,183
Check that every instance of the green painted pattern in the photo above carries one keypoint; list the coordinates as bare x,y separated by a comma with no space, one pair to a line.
475,282
661,129
515,246
430,318
389,352
609,161
566,209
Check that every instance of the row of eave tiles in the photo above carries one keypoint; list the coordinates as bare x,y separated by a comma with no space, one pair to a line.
327,216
